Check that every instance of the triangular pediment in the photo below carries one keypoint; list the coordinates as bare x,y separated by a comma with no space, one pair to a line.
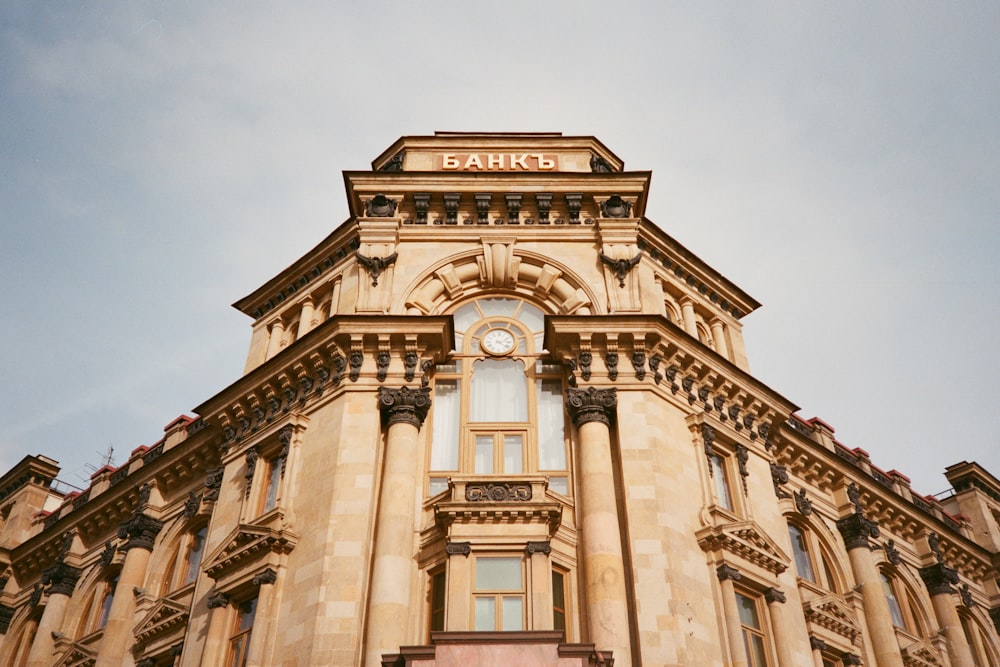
746,540
246,544
921,654
77,656
165,616
832,613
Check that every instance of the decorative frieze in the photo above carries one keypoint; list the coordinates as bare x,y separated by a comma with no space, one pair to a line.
498,492
591,404
404,405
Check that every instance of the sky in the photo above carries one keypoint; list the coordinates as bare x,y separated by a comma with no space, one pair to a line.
838,161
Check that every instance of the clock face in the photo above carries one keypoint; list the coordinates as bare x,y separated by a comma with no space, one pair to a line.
497,341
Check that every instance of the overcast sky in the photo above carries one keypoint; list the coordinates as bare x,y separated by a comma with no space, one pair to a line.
839,161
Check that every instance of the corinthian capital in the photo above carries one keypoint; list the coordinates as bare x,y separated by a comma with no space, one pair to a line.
140,532
404,405
591,404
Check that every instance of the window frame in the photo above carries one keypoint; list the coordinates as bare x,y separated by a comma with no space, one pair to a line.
500,595
237,654
764,632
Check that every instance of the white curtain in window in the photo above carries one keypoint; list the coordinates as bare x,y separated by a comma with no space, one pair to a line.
444,441
551,445
499,391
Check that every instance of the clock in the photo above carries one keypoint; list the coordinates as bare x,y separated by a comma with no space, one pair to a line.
497,341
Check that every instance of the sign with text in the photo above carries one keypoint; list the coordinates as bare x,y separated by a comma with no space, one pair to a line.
498,162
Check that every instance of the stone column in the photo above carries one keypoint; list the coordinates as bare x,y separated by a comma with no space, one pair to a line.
62,580
719,336
305,317
459,593
783,643
403,413
541,584
856,529
939,579
261,639
217,634
140,532
603,565
734,627
687,312
818,646
277,333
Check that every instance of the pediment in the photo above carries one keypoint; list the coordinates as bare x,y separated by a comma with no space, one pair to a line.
746,540
835,615
77,656
165,616
248,544
921,654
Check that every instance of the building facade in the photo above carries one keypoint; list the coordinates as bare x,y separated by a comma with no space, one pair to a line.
497,417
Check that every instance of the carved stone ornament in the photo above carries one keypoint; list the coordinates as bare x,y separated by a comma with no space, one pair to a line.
599,165
616,207
611,362
421,203
816,644
995,617
107,555
426,368
708,435
621,267
574,201
36,596
404,405
591,404
966,594
483,201
395,163
498,492
252,455
654,365
742,457
356,359
532,548
323,373
585,359
410,360
779,477
939,579
803,505
61,579
217,600
854,495
144,492
513,201
268,576
213,482
376,265
774,595
191,505
934,543
139,532
146,662
458,548
857,530
729,572
543,200
339,366
380,206
639,364
6,614
891,552
176,650
451,202
382,360
571,376
851,659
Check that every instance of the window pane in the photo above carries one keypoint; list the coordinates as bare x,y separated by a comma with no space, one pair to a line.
894,610
748,611
801,551
496,307
436,485
532,317
558,600
486,617
465,317
498,574
499,391
559,485
273,478
512,613
757,656
512,455
437,601
722,495
444,441
484,454
194,558
551,441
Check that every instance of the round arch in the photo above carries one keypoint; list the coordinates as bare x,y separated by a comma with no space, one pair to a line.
833,560
499,270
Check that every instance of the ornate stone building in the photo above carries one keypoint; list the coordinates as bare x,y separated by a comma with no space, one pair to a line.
497,417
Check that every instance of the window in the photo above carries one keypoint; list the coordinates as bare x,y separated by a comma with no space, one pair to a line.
498,405
438,599
800,549
895,612
107,598
559,599
272,472
498,598
753,630
239,641
195,550
723,495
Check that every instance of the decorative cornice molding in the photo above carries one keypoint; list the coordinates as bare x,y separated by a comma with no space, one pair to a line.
404,405
591,405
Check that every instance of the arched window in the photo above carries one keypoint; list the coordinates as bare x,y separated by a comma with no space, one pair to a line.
811,563
185,564
498,405
903,606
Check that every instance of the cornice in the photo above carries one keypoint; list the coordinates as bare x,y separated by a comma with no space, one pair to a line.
746,540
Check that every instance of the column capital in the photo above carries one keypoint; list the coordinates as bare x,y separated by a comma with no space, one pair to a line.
816,644
728,572
538,548
404,405
139,531
268,576
61,578
216,600
773,595
939,579
591,405
856,531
